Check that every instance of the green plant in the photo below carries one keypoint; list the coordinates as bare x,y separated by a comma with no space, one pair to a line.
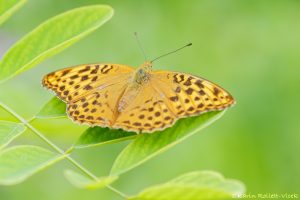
17,163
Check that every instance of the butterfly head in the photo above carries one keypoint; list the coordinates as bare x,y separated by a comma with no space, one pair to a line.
147,65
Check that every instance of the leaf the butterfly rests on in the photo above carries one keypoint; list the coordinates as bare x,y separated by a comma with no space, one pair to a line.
139,100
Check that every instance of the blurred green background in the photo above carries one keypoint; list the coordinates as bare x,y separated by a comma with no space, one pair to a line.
251,48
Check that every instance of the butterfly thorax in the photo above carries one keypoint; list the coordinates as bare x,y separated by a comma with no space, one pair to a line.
142,73
141,76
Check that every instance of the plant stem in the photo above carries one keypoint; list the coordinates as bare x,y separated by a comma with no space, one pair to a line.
59,150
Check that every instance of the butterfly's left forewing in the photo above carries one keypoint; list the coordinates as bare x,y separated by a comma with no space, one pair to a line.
71,84
90,91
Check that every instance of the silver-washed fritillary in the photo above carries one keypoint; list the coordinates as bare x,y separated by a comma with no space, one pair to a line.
139,100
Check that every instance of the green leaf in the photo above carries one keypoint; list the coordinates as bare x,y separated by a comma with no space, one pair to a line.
81,181
94,136
20,162
199,185
146,146
51,37
9,131
54,108
97,136
8,7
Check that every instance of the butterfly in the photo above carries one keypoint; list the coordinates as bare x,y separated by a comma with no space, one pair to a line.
139,100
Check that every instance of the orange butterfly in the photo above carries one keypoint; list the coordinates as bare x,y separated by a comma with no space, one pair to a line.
139,100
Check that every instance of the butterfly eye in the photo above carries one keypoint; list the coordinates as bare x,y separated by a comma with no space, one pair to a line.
140,72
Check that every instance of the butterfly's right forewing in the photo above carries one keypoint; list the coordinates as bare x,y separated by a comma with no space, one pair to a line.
167,97
188,95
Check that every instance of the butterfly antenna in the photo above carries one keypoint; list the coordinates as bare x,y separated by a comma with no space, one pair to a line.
140,45
189,44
